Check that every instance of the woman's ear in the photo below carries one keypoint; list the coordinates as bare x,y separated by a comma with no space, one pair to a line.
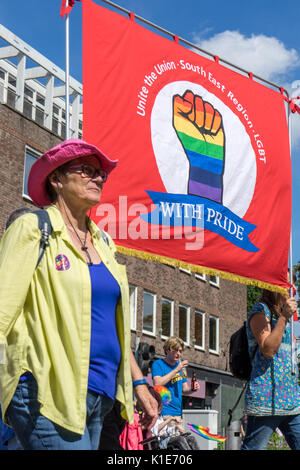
54,180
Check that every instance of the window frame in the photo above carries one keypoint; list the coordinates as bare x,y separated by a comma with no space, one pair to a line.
147,332
28,99
171,319
36,154
213,283
11,90
184,270
203,315
217,322
187,341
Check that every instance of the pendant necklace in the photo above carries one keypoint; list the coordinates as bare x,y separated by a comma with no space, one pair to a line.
84,248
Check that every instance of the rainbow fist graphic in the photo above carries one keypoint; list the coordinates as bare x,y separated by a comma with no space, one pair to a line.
199,128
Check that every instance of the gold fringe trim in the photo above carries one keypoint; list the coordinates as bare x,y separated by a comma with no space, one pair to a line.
199,269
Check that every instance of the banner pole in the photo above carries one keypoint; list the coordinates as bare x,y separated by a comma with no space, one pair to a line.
292,317
67,75
291,259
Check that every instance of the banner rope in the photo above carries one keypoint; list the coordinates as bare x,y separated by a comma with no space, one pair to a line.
198,269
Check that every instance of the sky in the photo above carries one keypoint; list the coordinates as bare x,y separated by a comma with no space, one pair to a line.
261,36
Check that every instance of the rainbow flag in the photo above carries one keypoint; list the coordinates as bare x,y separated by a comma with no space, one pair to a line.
199,129
204,432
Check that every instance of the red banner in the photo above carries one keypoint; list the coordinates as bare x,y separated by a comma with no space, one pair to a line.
204,174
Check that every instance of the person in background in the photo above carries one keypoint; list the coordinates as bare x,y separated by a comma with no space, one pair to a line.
169,431
169,373
272,395
60,370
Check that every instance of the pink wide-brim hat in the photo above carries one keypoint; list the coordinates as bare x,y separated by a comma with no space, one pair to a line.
58,156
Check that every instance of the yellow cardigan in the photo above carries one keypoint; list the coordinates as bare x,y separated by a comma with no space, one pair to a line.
45,320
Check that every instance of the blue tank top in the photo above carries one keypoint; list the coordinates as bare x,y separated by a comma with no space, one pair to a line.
105,351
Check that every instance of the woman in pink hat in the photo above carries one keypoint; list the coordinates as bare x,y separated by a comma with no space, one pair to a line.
64,325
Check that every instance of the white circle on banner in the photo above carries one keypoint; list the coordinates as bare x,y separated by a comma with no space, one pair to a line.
239,176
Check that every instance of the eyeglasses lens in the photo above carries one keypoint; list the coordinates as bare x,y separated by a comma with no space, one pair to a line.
93,172
90,171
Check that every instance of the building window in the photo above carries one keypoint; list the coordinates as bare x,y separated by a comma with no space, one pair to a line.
30,157
40,109
34,104
214,281
40,99
213,334
28,100
55,125
55,119
149,312
184,323
58,121
39,115
199,329
201,276
63,130
80,130
188,271
11,90
2,86
167,317
133,305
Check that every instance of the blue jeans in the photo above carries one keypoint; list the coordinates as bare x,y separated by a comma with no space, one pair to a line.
260,429
36,432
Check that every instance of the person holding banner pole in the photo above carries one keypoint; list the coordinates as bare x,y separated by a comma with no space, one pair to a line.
272,395
65,324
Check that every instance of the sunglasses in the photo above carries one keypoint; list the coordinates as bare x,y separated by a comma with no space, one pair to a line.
89,171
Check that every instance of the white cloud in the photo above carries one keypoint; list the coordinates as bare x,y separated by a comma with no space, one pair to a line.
265,56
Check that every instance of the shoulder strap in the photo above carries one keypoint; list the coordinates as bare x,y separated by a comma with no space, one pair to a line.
46,230
230,412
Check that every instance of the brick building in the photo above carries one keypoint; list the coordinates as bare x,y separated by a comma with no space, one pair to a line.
204,311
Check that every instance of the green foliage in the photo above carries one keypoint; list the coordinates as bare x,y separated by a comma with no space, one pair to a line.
253,294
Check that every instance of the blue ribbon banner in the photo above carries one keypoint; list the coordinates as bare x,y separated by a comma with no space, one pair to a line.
186,210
